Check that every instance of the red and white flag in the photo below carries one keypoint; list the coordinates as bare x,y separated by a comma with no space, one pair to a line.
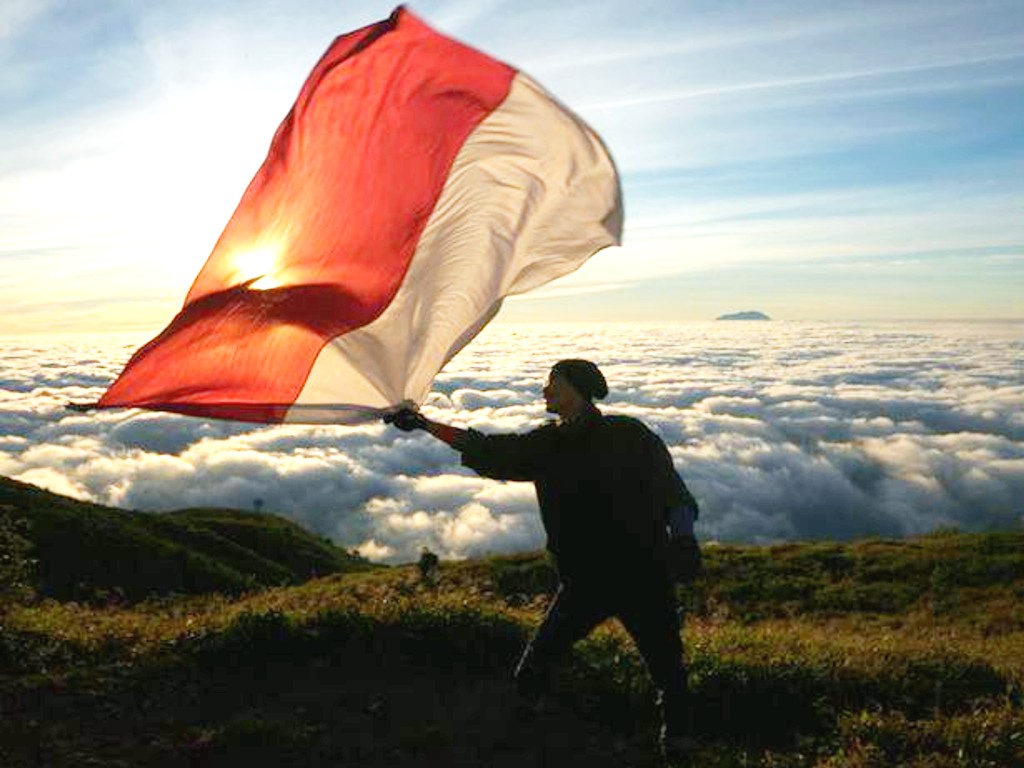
414,184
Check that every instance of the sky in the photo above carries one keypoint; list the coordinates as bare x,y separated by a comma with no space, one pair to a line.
789,430
815,161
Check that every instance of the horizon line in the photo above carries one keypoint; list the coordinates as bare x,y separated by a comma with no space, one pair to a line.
608,321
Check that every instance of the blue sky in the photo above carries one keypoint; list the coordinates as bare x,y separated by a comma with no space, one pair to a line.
840,160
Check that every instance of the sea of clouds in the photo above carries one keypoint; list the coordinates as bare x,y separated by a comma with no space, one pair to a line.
782,431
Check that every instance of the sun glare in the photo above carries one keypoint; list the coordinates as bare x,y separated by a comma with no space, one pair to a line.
259,263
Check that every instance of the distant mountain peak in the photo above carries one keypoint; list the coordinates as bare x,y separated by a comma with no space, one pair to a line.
750,314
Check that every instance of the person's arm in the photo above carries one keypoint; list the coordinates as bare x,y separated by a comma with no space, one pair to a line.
445,432
501,457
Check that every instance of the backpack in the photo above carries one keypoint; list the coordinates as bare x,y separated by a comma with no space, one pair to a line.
685,562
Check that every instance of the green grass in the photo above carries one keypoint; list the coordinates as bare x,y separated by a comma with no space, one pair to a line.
91,552
971,578
379,669
872,653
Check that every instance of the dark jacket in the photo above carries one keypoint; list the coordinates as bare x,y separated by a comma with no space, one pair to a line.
604,485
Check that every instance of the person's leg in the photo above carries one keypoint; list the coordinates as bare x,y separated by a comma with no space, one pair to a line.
650,614
571,616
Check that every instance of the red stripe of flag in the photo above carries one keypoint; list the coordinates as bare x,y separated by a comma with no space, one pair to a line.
331,220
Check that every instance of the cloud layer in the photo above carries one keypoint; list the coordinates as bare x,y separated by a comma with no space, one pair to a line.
782,431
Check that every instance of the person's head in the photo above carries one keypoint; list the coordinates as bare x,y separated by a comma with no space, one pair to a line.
572,386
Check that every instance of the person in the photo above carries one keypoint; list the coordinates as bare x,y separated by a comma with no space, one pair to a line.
617,516
428,565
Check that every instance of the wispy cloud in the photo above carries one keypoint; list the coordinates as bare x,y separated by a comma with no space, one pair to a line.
841,78
753,132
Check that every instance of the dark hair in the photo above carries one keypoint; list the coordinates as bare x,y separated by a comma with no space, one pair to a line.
583,376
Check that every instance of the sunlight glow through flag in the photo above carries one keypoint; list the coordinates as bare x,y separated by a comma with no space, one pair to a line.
414,184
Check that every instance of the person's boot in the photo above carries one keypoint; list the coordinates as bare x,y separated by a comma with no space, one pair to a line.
529,709
534,685
675,739
676,749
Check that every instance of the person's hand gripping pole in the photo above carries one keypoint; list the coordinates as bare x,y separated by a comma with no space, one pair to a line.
406,419
409,419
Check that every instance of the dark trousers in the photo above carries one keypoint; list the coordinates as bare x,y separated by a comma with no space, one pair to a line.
647,609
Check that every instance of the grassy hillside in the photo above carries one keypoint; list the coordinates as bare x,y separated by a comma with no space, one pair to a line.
87,551
969,578
872,653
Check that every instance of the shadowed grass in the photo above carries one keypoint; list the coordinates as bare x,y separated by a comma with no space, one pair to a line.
873,653
201,679
100,554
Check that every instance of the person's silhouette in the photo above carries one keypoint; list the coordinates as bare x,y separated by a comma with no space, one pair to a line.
615,511
428,565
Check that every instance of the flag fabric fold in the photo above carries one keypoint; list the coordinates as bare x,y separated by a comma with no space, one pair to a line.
414,184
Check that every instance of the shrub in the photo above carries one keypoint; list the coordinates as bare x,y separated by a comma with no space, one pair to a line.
988,737
528,576
15,563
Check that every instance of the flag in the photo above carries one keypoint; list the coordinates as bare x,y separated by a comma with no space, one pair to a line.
414,184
